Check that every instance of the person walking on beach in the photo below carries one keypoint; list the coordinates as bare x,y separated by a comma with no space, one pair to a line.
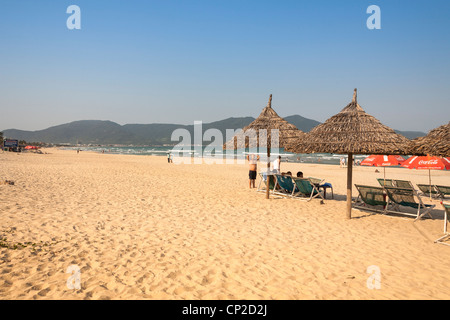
276,165
252,161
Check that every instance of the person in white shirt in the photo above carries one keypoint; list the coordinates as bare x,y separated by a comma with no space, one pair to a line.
276,165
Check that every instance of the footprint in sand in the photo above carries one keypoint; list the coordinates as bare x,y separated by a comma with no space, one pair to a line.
44,292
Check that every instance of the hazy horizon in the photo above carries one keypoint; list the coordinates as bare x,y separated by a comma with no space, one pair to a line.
178,62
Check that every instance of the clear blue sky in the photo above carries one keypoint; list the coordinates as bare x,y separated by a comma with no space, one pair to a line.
178,61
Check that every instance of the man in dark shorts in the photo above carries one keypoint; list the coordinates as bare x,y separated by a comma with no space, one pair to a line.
252,161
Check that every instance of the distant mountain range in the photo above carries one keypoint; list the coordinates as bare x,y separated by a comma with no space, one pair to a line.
108,132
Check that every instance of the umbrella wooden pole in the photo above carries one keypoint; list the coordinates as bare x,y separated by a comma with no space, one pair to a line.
268,169
429,179
349,185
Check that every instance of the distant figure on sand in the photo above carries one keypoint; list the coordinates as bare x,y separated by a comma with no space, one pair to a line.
276,165
252,161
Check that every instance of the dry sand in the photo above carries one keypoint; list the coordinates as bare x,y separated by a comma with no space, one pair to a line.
140,228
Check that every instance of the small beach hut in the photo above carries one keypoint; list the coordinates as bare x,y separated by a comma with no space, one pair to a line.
352,131
435,143
268,120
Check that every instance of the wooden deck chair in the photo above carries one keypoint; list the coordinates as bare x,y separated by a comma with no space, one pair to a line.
443,190
306,189
285,184
406,197
386,182
403,184
446,235
428,190
370,198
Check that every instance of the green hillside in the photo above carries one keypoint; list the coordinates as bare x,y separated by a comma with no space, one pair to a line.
108,132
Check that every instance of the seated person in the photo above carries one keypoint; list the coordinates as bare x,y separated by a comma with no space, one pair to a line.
299,174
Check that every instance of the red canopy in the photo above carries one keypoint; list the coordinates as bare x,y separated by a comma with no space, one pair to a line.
31,147
382,160
379,160
427,162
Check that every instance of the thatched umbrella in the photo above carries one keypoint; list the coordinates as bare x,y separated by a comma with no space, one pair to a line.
435,143
352,131
261,129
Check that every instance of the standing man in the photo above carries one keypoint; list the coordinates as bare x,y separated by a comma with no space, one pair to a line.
252,161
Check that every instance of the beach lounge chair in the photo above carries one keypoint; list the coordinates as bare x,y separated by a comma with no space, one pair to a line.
446,235
324,186
406,197
263,182
386,182
443,190
285,184
428,190
395,183
403,184
306,188
370,198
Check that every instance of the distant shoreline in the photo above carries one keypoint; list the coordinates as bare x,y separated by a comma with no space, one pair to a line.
318,158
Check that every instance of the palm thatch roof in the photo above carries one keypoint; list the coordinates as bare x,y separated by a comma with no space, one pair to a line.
435,143
352,131
261,129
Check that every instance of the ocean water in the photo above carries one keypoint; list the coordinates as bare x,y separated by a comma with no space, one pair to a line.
319,158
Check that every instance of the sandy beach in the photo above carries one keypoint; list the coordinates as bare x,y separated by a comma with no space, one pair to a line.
140,228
